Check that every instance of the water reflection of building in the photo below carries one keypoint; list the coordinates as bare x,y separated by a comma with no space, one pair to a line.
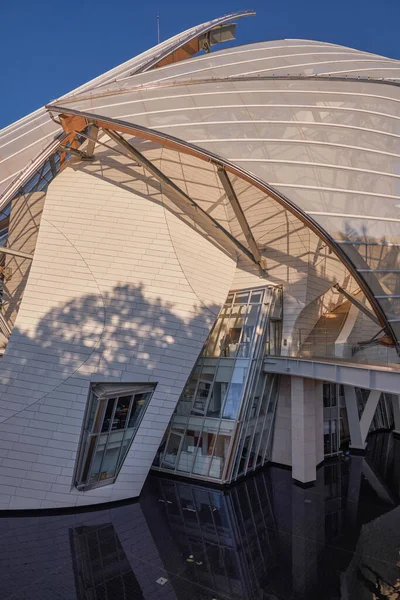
241,542
267,535
101,567
265,538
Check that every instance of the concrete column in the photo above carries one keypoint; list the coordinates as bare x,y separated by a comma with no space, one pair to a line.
304,435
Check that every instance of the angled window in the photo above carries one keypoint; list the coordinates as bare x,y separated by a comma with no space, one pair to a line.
113,416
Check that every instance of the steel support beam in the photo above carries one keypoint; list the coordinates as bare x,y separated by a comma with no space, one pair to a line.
92,140
53,167
18,253
74,152
239,214
100,143
335,370
358,304
181,199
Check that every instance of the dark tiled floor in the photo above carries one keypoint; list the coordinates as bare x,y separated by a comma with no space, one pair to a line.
264,539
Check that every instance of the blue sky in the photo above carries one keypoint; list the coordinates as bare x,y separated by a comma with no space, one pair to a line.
48,48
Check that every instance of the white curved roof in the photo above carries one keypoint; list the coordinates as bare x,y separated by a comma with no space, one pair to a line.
318,123
25,139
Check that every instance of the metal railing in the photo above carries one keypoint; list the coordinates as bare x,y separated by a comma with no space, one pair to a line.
322,343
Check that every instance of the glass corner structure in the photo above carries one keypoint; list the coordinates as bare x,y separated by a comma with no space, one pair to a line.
113,416
223,422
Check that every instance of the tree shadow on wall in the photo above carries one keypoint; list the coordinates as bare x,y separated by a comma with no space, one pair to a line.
119,335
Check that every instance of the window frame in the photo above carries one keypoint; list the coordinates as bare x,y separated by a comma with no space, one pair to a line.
98,397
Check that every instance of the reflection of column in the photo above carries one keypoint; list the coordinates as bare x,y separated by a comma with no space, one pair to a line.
396,413
396,464
304,418
308,527
377,485
353,494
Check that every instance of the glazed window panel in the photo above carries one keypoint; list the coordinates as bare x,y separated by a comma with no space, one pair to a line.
172,449
113,415
235,392
226,387
216,340
220,454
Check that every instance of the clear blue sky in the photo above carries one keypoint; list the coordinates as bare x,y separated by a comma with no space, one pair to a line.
48,47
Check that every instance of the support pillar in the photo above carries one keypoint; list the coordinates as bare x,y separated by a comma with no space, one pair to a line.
359,427
353,418
369,412
305,457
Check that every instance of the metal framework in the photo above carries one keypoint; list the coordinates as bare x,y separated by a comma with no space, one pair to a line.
237,209
19,253
111,124
76,123
356,303
180,198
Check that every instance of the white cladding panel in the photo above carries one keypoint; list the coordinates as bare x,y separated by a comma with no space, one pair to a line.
108,299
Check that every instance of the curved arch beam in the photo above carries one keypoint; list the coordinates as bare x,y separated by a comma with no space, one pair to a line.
86,118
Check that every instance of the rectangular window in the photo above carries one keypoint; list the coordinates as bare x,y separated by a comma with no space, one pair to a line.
112,419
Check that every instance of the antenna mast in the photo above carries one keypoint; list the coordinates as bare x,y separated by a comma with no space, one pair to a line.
158,27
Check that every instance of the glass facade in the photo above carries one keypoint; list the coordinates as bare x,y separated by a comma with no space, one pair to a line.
112,419
222,425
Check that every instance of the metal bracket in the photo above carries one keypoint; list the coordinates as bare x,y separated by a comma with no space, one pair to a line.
357,303
74,152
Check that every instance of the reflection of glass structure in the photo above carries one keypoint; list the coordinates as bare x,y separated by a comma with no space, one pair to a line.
112,420
222,425
228,538
101,567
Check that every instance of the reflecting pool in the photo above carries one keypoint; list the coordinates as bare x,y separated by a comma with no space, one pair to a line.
262,539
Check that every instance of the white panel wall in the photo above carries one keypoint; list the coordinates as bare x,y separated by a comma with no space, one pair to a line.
114,294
